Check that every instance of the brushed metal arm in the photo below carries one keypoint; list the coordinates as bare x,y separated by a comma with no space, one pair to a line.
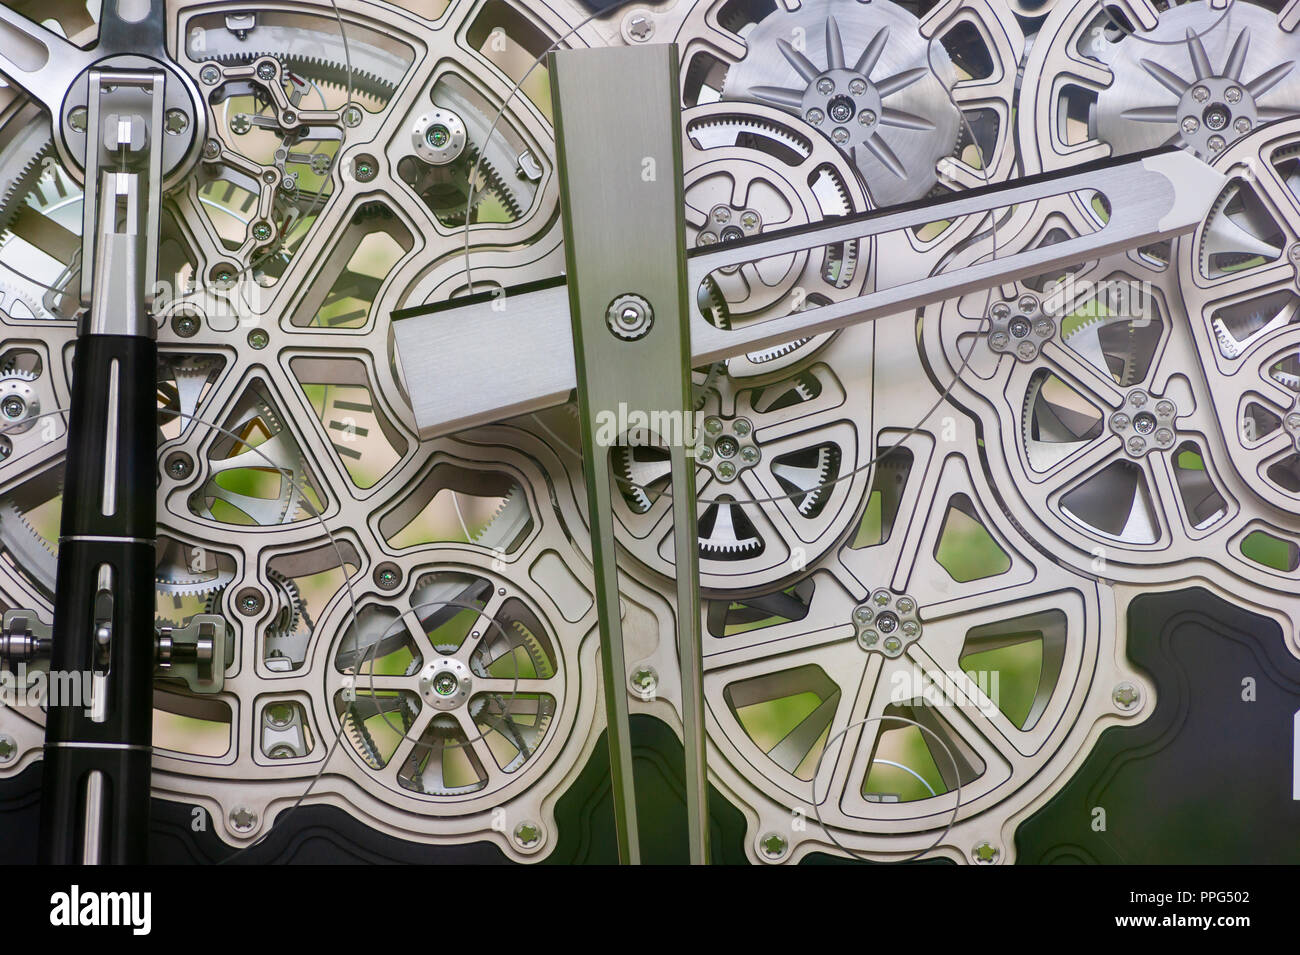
1152,197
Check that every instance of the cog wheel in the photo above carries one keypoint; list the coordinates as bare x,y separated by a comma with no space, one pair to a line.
881,95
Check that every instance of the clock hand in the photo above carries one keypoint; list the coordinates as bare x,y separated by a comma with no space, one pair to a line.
1152,197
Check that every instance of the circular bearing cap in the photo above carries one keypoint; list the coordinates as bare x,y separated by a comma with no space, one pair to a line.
439,137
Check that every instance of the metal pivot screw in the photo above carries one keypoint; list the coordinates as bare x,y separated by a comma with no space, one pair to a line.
773,846
388,576
630,317
263,232
352,116
78,117
985,854
258,338
210,74
243,819
1126,696
528,835
1191,124
179,466
645,680
186,323
640,27
266,71
8,748
176,122
211,149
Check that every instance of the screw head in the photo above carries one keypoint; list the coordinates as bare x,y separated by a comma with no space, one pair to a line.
815,117
243,819
840,135
713,425
179,466
905,604
6,448
1241,125
1136,445
211,149
1293,420
1001,310
749,455
857,87
867,117
1200,94
726,470
645,680
79,118
8,748
630,317
1026,350
528,835
258,338
773,845
880,598
640,27
1126,696
209,74
985,854
1191,124
186,323
1216,143
266,71
864,614
352,116
262,231
176,122
1232,94
825,85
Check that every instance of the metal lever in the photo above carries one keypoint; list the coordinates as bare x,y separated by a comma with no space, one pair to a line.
628,299
96,784
1152,198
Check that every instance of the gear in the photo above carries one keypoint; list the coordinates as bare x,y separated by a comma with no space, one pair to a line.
865,78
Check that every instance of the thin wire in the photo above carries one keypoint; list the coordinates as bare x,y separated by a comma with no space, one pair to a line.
317,203
944,395
338,552
496,120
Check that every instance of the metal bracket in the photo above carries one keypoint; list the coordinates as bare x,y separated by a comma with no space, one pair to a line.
618,139
197,653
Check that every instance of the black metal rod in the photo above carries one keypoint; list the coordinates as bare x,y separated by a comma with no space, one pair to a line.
95,799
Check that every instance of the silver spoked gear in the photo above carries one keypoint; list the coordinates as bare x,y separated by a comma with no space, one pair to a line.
863,76
1238,275
1129,77
1205,93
